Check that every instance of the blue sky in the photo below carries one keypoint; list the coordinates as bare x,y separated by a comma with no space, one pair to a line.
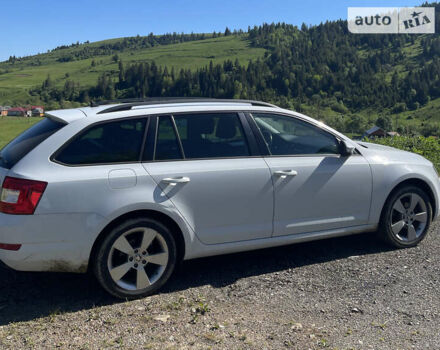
32,26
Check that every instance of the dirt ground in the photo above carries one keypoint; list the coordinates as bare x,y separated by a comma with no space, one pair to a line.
344,293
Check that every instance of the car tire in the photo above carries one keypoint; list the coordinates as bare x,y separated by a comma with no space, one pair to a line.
406,217
136,258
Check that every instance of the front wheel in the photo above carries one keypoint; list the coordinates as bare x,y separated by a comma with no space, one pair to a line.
406,217
136,258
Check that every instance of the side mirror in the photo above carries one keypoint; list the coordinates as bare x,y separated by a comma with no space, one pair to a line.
347,149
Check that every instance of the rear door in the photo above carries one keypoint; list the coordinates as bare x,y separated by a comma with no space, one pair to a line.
213,175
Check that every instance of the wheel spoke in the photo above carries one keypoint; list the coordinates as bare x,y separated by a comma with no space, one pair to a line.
123,245
421,217
399,206
397,227
414,199
118,272
412,234
142,280
158,259
147,238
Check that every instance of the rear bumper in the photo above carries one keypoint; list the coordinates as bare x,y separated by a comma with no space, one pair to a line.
57,257
55,242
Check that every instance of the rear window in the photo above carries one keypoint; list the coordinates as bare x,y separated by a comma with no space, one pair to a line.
218,135
13,152
113,142
167,144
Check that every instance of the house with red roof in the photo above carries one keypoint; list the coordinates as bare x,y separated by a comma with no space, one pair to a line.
17,112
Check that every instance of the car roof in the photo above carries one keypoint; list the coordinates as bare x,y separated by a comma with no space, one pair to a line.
129,108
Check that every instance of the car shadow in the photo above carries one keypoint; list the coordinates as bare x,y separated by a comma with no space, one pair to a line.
27,296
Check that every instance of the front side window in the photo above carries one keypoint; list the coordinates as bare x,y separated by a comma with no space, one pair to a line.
289,136
113,142
211,135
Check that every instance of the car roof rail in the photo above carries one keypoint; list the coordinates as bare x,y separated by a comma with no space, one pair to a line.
127,104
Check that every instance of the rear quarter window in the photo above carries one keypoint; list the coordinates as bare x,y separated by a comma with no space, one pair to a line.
105,143
14,151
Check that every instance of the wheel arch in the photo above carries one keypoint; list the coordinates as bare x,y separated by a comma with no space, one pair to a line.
417,182
153,214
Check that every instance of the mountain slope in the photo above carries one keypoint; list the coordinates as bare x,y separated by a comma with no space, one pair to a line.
17,78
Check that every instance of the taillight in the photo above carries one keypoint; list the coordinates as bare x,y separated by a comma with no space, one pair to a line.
19,196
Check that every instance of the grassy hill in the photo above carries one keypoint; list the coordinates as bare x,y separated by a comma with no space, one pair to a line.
16,79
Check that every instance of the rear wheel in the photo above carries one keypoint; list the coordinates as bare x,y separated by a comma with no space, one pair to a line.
406,217
136,258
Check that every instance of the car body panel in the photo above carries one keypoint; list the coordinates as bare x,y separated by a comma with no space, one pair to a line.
226,200
390,167
200,250
50,242
328,192
71,214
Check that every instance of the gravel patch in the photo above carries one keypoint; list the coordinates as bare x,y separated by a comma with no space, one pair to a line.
343,293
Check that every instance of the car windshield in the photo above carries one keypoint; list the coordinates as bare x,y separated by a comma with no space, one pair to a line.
14,151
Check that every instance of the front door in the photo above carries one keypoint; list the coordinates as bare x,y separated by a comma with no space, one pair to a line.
316,188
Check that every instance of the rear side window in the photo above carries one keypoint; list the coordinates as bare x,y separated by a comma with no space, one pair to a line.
113,142
13,152
217,135
167,144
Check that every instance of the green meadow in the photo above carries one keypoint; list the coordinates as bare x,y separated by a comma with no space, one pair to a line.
16,79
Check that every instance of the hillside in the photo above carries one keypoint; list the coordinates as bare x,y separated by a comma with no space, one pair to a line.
349,81
16,78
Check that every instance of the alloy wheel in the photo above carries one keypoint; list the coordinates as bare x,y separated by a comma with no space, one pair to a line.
409,217
138,258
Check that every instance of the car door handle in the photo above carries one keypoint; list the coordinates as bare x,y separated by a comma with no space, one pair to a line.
176,180
285,173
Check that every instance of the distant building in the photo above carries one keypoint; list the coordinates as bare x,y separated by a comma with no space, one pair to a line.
4,110
17,112
376,131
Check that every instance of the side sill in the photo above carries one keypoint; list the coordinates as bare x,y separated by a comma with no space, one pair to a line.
199,250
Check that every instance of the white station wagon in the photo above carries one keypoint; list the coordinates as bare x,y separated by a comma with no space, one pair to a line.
128,190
